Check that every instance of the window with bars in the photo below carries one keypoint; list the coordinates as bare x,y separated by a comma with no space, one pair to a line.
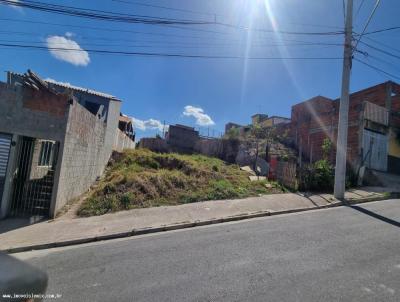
46,155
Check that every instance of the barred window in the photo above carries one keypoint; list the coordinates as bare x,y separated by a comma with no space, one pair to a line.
46,154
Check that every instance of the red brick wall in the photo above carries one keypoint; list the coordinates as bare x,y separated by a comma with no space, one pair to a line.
395,117
317,119
44,101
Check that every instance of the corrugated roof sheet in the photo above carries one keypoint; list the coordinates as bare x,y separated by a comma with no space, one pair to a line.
77,88
375,113
85,90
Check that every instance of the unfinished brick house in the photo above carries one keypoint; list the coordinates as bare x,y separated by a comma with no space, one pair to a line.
373,128
55,141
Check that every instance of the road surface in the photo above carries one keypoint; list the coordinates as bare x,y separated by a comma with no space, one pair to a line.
339,254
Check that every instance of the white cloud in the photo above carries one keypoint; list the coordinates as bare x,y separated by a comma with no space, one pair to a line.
202,119
75,55
15,6
150,124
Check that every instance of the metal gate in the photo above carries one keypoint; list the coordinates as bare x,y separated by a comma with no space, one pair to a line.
34,177
5,143
375,146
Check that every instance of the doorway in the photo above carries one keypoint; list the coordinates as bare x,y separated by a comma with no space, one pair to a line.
33,177
5,145
375,146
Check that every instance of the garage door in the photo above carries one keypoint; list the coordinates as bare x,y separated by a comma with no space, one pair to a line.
5,143
375,146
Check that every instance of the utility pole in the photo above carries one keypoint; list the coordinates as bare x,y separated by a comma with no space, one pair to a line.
341,147
163,130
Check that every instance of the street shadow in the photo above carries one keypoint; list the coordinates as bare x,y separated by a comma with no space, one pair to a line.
354,192
375,215
305,195
10,224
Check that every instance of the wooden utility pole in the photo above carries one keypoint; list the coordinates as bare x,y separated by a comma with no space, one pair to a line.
341,147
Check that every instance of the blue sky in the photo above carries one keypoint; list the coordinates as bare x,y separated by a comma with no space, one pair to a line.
202,92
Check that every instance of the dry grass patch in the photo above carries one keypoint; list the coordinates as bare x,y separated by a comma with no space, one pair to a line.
141,178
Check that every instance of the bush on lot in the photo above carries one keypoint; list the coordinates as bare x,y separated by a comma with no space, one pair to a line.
317,177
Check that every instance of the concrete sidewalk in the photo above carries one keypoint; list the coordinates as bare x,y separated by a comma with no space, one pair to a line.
16,237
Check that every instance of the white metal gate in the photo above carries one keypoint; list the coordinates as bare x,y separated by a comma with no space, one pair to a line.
375,146
5,143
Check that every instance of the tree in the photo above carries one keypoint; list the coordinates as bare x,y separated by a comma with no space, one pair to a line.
233,133
326,148
259,132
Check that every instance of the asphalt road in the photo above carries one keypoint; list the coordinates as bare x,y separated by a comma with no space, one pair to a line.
340,254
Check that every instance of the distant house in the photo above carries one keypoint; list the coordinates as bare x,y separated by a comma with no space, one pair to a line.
125,138
258,118
261,120
181,138
230,126
275,121
55,141
373,128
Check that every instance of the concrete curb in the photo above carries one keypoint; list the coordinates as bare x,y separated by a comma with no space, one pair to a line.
185,225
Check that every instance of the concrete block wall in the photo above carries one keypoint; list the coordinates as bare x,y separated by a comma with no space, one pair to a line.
181,138
154,144
210,147
114,109
83,154
122,142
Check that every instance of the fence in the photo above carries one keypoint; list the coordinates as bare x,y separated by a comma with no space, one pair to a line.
286,174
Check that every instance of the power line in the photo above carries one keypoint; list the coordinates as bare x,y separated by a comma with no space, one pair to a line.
344,11
359,7
377,69
171,45
330,33
382,30
124,30
113,30
293,42
207,13
164,7
111,16
98,14
381,50
115,52
368,21
382,44
379,59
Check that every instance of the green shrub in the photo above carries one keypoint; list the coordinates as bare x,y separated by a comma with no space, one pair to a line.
126,199
317,177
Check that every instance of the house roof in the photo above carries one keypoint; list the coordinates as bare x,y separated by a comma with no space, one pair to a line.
125,119
260,114
81,89
182,127
68,85
277,116
318,98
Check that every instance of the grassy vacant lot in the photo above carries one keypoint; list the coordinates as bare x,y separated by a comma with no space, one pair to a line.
141,178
